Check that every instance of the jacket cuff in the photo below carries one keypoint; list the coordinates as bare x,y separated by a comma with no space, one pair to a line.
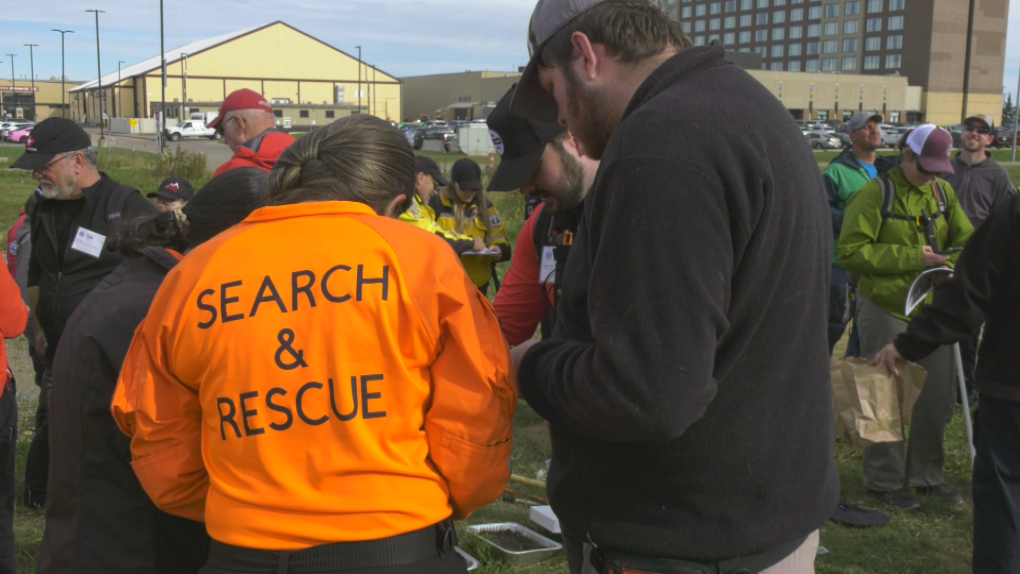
911,349
528,386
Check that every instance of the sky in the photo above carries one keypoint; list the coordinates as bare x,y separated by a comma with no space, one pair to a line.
400,37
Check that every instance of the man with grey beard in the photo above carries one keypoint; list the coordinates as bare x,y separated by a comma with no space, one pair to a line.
80,210
541,160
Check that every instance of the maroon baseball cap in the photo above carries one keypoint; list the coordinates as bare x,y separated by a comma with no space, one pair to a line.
932,146
243,99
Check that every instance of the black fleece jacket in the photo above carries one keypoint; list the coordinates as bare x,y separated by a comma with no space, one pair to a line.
687,382
984,289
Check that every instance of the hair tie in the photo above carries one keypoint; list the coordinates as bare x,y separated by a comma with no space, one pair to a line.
177,210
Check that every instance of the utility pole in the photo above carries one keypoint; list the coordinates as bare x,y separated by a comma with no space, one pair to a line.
966,61
14,90
99,69
162,101
31,74
119,107
1016,116
63,77
184,85
359,78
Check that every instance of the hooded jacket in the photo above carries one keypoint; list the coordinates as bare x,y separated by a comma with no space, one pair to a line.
259,152
888,254
843,177
98,517
424,217
980,187
479,268
13,318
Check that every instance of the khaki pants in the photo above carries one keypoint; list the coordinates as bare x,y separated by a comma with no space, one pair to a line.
889,466
802,561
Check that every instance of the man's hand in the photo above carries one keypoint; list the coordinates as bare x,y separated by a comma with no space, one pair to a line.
932,259
517,353
40,341
889,357
479,245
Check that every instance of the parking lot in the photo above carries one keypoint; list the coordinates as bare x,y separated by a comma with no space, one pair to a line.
216,152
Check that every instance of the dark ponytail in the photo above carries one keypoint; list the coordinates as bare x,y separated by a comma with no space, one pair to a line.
219,205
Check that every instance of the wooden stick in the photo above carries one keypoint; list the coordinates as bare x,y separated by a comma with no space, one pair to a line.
527,481
526,496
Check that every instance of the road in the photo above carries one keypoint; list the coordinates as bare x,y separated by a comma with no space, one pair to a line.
216,152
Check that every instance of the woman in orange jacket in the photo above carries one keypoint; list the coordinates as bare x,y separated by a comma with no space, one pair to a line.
322,384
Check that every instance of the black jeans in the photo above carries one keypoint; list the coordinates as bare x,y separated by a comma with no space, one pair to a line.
37,466
448,562
996,487
8,450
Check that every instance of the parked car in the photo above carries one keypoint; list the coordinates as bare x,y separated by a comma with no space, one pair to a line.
9,126
891,136
1005,137
444,134
844,139
457,124
192,129
417,137
823,140
20,136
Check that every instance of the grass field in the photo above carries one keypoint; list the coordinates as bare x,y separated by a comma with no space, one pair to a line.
933,540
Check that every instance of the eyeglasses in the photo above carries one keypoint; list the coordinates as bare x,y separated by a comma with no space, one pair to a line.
222,128
978,129
45,170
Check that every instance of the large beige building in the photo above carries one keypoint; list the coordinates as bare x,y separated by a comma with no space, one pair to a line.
304,77
454,96
20,101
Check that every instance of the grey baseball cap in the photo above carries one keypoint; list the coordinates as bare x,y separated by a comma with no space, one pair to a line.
530,100
861,119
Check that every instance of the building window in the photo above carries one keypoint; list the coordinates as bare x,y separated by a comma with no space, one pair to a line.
892,62
797,15
715,8
814,30
278,113
849,64
777,51
814,13
778,34
699,40
731,6
303,113
686,27
831,28
745,4
763,3
685,12
830,46
812,48
699,10
730,22
745,21
850,26
873,44
871,62
699,26
796,32
779,17
832,10
779,2
745,50
713,24
895,23
894,117
762,50
761,35
330,114
828,64
850,45
762,19
745,37
794,50
811,66
874,25
895,5
894,42
874,6
776,66
793,66
728,38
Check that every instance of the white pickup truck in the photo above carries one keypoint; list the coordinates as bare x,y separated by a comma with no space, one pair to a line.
192,129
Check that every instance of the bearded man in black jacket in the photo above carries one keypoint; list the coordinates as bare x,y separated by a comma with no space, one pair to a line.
687,380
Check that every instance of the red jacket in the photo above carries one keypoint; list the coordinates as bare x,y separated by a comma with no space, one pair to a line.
523,300
260,152
13,319
12,240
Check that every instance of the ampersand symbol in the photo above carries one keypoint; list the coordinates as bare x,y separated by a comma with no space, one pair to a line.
286,339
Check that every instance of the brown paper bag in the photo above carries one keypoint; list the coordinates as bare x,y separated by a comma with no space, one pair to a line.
871,404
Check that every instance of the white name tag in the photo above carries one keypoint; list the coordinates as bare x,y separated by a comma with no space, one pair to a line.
89,242
547,275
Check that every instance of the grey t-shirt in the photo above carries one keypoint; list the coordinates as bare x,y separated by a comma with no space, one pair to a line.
980,187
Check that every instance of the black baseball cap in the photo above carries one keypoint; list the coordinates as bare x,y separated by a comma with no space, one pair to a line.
428,166
174,189
519,142
467,175
49,139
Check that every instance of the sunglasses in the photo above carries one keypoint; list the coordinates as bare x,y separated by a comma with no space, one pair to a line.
981,130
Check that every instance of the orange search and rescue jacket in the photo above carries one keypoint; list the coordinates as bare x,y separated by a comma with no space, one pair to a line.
354,388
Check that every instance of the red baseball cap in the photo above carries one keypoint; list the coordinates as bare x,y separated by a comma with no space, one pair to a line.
243,99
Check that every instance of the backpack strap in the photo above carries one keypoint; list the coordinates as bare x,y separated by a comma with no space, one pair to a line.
940,196
115,203
888,196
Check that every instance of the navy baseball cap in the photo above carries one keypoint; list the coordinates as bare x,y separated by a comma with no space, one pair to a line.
174,189
519,142
428,166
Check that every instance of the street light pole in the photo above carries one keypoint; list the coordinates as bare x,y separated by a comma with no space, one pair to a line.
184,84
966,61
162,101
359,78
119,62
63,77
14,90
31,74
1016,116
99,69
